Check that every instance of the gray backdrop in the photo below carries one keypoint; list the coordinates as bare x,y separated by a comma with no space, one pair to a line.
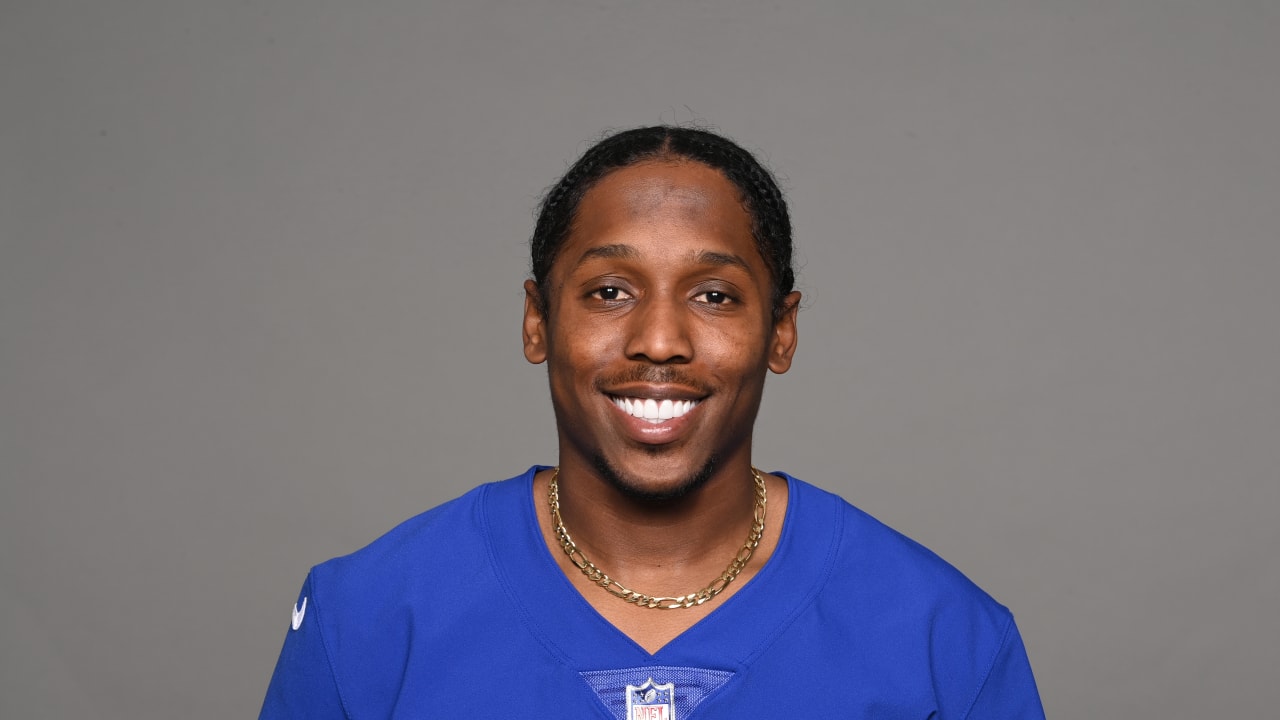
260,269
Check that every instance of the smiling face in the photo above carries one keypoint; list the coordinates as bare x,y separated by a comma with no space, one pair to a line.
658,330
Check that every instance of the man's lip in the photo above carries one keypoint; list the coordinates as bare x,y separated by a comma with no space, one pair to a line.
646,391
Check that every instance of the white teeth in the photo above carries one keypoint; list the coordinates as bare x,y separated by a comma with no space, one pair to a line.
664,410
650,409
653,410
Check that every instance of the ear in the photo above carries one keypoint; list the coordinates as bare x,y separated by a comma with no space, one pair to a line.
783,345
535,327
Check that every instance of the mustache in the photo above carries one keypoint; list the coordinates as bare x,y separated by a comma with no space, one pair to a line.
655,374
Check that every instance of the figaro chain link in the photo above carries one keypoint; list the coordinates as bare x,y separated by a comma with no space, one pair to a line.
615,588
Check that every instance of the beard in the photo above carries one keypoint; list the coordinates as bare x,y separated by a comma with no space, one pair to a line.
636,490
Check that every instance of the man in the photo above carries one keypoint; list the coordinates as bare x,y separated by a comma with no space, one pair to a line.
654,573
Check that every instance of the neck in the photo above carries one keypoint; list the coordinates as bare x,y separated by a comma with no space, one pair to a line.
658,545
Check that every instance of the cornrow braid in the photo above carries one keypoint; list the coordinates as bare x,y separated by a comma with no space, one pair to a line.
760,195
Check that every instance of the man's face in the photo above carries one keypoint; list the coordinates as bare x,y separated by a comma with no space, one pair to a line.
658,329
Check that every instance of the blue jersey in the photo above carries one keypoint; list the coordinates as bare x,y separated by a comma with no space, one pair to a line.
462,612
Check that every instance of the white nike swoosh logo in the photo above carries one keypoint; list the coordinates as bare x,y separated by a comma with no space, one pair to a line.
299,613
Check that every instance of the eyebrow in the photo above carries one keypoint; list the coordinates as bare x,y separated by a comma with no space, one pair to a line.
626,252
610,252
718,259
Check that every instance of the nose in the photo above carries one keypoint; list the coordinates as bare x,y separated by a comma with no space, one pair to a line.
658,331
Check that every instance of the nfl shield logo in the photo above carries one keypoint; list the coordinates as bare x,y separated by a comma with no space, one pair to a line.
651,702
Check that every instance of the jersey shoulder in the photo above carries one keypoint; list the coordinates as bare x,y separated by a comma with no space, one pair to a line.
871,558
442,551
913,616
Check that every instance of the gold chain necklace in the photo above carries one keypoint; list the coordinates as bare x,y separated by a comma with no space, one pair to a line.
615,588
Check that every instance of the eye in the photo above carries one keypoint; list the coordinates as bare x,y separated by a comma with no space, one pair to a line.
609,293
713,297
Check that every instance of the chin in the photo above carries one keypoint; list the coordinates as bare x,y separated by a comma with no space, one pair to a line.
640,489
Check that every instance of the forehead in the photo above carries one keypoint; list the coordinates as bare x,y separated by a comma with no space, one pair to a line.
662,185
685,203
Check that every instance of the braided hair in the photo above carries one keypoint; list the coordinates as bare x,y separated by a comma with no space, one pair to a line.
760,195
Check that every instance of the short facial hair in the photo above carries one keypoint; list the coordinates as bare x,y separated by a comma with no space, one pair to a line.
637,491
